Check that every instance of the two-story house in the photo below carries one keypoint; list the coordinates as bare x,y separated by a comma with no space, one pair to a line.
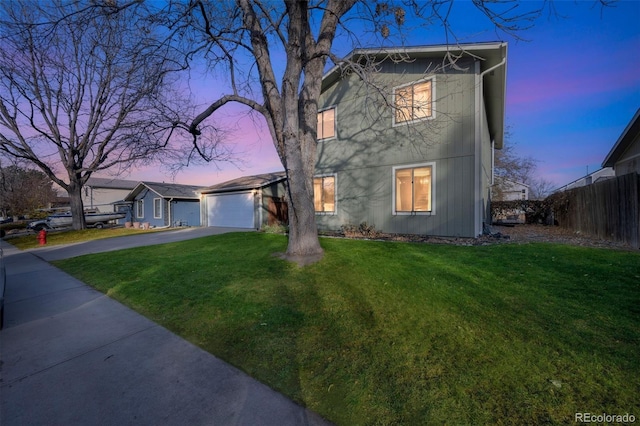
408,148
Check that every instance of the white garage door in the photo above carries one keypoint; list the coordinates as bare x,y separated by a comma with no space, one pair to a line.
231,210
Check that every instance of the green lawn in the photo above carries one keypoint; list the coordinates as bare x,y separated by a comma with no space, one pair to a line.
400,333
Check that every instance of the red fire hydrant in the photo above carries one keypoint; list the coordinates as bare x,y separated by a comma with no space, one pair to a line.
42,237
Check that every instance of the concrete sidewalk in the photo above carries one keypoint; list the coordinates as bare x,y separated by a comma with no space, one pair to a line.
70,355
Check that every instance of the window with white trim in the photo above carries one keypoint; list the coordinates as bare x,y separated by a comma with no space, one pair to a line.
413,189
157,208
327,124
413,102
324,194
140,208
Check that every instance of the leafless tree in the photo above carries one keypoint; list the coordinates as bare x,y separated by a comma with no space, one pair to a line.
510,166
23,190
85,87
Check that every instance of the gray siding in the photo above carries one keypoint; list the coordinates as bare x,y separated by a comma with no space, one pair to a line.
147,197
367,147
102,198
630,160
187,213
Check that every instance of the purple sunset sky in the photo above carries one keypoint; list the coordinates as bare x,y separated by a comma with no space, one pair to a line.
572,87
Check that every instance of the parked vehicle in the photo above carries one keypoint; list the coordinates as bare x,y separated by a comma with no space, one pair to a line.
97,220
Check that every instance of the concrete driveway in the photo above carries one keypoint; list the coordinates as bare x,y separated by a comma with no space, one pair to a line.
70,355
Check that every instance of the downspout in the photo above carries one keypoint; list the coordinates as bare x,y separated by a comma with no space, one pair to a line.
493,142
260,208
498,65
493,162
169,212
478,162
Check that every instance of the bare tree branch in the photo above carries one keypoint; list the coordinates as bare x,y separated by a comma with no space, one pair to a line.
275,54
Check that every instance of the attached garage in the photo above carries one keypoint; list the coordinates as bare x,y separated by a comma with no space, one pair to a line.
246,202
235,210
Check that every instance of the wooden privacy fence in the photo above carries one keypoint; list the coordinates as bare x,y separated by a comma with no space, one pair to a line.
609,209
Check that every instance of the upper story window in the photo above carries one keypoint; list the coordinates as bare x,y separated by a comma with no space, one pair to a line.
413,102
327,124
324,194
413,189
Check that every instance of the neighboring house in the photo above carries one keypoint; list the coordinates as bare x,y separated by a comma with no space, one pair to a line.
102,193
415,157
624,157
165,204
597,176
60,203
509,190
246,202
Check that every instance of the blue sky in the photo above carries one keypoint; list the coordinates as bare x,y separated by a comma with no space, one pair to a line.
572,87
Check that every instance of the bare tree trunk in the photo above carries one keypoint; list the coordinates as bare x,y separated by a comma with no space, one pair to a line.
77,208
303,230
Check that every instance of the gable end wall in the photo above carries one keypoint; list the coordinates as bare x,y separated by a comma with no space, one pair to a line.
367,146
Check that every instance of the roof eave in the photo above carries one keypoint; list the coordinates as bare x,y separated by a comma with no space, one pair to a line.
131,196
623,142
241,187
474,49
495,96
490,54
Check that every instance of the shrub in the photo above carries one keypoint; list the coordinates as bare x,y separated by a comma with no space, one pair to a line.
536,211
363,230
275,229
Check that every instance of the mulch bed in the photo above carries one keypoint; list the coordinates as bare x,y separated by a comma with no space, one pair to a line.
556,234
518,234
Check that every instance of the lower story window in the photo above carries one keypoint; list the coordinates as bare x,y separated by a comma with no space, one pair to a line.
157,208
413,188
324,194
140,208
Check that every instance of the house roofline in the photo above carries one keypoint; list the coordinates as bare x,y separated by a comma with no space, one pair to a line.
565,186
489,54
110,183
422,50
624,141
131,196
513,181
209,190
